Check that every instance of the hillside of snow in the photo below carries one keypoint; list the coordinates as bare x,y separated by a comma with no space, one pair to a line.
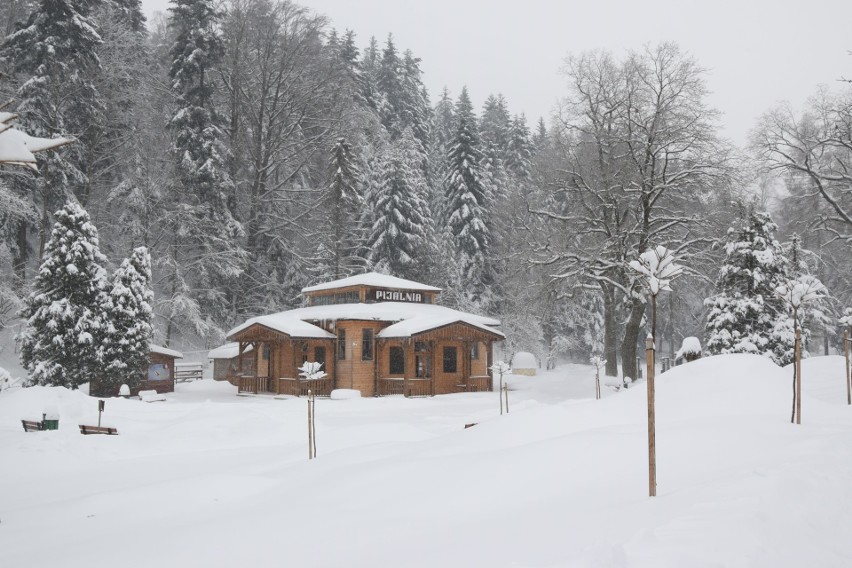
208,478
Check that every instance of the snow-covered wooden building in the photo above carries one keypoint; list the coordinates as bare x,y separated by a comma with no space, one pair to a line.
375,333
159,375
228,363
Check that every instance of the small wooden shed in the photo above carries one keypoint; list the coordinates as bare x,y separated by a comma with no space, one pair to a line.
159,375
161,370
228,363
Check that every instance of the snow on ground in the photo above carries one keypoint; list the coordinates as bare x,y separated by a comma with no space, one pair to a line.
208,478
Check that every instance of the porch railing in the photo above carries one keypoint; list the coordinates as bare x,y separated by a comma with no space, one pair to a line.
411,388
253,384
476,383
300,387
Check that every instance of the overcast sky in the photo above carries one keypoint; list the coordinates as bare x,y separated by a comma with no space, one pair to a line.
757,53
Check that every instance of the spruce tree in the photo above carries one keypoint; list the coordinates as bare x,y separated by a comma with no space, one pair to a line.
390,87
745,315
65,311
467,196
51,55
519,151
370,70
205,229
128,328
341,204
399,238
416,111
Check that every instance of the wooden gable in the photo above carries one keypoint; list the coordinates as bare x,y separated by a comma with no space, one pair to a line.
258,332
457,331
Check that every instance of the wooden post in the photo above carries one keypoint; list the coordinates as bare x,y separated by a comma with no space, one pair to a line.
846,341
310,428
798,364
506,390
597,383
489,362
501,393
652,438
314,422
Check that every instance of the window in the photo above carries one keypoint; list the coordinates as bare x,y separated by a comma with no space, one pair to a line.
397,361
367,345
319,356
474,350
266,352
423,366
341,344
451,358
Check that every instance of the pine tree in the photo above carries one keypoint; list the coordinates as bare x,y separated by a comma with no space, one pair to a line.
391,104
51,54
467,196
746,316
416,112
128,328
400,234
519,151
130,14
65,311
539,140
198,148
370,70
205,229
494,139
341,203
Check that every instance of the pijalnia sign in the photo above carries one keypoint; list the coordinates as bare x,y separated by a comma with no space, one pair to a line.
396,296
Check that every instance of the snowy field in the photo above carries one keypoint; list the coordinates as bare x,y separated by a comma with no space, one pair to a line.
211,479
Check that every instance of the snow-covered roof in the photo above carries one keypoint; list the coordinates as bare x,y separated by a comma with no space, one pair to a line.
372,279
165,351
227,351
281,322
407,319
17,147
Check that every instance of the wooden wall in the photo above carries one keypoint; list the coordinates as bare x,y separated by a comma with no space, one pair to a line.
354,372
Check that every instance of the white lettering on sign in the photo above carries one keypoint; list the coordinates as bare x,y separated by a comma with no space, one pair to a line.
394,296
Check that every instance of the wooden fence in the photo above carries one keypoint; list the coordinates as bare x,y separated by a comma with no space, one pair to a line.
389,386
188,372
253,384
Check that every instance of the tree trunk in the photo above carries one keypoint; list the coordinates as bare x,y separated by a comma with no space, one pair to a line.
19,260
610,331
631,337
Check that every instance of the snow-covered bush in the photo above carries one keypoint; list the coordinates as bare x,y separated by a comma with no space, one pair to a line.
690,349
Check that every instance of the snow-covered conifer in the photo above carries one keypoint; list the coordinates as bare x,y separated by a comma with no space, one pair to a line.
204,226
65,311
519,152
401,227
745,315
128,326
467,196
341,205
52,54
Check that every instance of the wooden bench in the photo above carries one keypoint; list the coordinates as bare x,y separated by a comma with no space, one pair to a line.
32,425
98,430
